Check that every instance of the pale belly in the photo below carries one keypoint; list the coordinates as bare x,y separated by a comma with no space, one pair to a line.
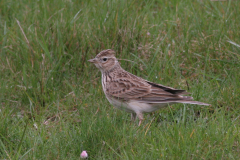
120,105
136,107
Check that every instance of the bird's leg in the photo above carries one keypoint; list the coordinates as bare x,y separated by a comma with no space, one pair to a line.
140,117
133,116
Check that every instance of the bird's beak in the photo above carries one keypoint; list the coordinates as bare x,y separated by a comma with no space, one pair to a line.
92,60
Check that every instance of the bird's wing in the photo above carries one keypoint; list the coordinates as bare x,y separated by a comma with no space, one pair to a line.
163,94
158,87
127,89
144,91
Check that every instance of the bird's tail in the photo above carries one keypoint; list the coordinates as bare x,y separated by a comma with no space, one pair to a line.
188,100
194,102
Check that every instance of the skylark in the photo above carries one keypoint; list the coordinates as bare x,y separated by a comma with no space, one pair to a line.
131,93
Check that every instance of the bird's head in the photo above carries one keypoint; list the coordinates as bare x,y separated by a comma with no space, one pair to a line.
105,60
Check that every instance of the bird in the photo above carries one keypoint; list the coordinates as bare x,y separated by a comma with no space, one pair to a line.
134,94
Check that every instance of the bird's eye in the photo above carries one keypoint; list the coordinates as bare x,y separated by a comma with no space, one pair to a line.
104,59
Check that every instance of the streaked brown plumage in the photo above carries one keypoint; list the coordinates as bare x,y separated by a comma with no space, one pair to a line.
134,94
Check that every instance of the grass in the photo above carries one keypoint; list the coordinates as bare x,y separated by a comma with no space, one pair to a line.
52,104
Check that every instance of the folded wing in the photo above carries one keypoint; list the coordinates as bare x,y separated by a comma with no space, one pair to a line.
144,91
